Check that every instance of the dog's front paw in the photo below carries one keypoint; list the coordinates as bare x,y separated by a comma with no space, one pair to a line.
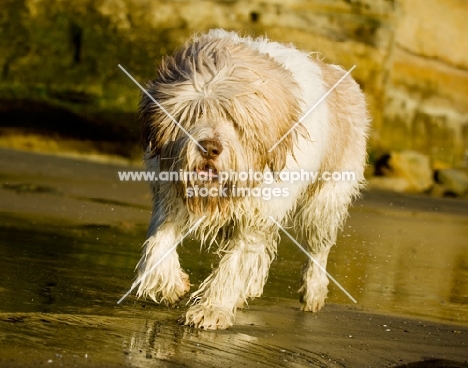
165,291
313,301
208,318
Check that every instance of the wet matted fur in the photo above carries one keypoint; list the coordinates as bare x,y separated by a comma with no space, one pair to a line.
237,97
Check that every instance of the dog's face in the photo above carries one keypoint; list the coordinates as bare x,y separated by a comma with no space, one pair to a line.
232,104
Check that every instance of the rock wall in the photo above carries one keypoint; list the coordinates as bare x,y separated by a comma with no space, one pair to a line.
426,105
411,56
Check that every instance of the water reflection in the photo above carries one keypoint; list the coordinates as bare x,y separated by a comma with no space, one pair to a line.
411,263
251,344
63,269
165,341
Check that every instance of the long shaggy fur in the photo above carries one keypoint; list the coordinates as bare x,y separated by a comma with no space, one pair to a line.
240,96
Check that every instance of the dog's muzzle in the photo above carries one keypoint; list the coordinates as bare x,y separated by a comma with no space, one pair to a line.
207,169
213,148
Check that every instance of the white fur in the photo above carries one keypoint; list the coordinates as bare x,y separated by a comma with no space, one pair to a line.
248,240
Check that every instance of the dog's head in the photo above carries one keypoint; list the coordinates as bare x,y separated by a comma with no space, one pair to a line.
222,106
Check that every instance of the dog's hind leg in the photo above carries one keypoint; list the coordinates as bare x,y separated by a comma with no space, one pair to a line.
319,221
242,273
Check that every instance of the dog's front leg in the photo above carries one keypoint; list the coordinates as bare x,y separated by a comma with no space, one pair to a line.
242,273
159,272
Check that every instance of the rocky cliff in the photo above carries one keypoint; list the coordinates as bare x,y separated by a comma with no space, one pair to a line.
411,57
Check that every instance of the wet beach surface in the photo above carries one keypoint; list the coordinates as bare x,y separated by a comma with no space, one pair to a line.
70,237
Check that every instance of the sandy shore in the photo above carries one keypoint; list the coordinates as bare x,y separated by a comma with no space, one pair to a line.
70,235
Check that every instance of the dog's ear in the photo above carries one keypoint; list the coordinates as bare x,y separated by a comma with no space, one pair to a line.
156,128
277,157
145,118
170,154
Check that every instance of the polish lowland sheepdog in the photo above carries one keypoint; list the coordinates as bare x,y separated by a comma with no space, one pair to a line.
236,105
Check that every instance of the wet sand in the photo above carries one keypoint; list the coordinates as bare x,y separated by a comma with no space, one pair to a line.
70,236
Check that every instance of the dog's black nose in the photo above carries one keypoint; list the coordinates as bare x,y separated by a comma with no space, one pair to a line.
213,148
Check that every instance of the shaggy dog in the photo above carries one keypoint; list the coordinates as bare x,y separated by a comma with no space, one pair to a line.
232,104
